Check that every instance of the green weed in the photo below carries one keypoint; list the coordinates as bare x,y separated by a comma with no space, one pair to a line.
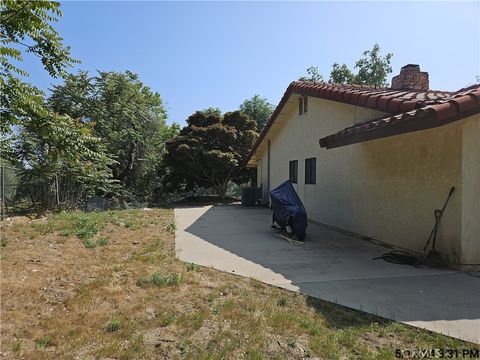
112,326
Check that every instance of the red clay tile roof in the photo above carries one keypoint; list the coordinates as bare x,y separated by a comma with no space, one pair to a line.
401,105
432,113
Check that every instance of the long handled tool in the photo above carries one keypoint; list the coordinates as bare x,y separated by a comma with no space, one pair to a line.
433,233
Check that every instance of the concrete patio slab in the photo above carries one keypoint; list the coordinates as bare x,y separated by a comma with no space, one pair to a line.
330,266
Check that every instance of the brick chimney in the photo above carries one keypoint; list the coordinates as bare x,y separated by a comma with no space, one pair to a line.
411,78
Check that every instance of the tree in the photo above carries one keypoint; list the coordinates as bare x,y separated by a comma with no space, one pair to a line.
373,68
25,25
258,109
313,75
49,144
209,151
126,115
341,74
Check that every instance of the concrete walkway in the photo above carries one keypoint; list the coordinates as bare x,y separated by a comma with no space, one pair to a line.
330,266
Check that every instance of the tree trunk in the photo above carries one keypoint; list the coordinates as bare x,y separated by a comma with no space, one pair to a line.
221,190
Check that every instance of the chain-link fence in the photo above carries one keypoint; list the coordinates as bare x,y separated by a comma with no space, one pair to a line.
21,192
9,182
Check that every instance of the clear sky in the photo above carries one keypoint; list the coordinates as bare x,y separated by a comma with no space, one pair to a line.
201,54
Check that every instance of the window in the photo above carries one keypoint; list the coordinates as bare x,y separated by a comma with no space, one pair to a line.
310,171
302,105
293,171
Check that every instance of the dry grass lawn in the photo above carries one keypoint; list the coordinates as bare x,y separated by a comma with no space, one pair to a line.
108,286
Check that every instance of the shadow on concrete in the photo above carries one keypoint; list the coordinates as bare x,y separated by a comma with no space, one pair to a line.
338,268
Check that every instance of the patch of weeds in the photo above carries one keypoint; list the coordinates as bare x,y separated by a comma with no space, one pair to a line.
171,228
117,268
291,343
191,267
167,319
134,349
282,301
171,279
312,328
197,320
44,343
3,242
254,355
103,241
17,346
86,227
89,244
112,326
143,281
157,279
65,232
129,224
183,348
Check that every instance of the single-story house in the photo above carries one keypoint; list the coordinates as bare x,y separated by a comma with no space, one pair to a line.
378,161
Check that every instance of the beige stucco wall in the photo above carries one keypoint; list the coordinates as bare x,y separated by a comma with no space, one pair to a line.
388,188
471,191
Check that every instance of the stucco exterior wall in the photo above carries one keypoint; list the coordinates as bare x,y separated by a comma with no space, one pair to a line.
388,188
471,191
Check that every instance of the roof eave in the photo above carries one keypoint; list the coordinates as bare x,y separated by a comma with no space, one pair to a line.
428,121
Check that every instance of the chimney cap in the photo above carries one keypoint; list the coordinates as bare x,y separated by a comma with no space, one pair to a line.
411,67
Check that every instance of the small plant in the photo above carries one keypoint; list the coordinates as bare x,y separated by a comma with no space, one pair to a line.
129,223
89,244
86,227
44,343
143,281
171,228
167,319
17,346
291,343
103,241
112,326
282,301
65,232
157,279
3,242
191,267
312,328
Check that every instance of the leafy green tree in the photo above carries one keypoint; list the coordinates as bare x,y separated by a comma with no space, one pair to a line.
373,68
25,28
126,115
213,111
341,74
49,144
209,151
313,75
258,109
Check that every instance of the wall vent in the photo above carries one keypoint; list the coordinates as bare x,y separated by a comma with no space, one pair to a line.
302,105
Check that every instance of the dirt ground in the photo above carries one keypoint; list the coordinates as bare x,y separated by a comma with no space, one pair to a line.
108,286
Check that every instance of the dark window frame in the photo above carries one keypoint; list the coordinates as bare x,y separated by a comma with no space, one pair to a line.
293,171
311,171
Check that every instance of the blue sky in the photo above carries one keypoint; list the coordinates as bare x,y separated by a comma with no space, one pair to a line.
201,54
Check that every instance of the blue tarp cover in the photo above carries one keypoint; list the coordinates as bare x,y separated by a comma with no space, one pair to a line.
286,204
